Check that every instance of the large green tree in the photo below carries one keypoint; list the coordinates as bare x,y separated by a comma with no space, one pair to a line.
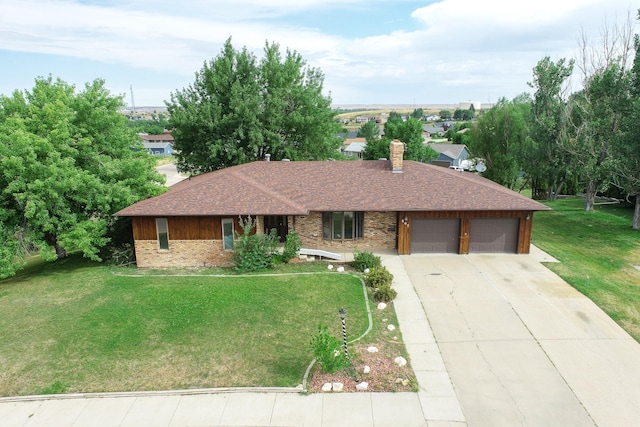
68,162
240,109
597,115
546,164
409,132
498,138
369,130
598,110
626,148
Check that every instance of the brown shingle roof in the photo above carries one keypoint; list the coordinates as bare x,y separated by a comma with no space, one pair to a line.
297,188
157,138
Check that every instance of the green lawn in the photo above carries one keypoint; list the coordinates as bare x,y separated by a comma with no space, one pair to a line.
75,326
598,251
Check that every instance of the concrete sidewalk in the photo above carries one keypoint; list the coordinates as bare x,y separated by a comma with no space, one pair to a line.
434,405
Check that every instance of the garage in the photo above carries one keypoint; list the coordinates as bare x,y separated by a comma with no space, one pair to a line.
435,235
497,235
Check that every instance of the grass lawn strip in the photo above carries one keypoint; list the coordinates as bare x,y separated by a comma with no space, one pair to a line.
74,327
598,251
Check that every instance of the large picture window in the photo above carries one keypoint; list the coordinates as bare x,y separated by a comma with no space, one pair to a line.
162,229
342,225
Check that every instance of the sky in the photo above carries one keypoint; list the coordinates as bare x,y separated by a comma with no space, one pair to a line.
401,52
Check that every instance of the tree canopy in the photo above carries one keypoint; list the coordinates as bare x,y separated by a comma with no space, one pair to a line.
239,109
409,132
498,138
68,162
369,130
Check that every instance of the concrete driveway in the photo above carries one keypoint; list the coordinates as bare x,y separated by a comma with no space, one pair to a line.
171,173
522,347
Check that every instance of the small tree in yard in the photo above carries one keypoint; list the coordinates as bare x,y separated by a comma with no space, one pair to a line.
292,246
327,351
253,251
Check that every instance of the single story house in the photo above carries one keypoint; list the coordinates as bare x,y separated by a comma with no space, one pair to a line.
354,149
158,148
450,154
161,145
433,131
408,206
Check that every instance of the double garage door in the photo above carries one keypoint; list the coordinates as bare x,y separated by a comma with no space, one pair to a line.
439,235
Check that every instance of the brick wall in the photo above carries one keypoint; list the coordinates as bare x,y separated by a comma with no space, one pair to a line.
182,253
396,151
379,232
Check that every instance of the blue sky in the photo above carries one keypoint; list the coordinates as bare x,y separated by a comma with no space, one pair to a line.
370,51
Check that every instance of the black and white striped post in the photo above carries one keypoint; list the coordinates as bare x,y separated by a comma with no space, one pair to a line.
343,317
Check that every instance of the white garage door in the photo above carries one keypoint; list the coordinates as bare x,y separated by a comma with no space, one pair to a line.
497,235
435,235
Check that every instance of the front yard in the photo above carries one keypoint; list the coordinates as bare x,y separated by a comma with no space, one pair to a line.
75,326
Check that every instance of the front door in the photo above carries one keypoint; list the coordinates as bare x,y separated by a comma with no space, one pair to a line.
279,222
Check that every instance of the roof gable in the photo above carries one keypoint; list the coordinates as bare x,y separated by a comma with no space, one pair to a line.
453,151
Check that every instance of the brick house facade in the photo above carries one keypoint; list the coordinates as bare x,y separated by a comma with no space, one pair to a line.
332,205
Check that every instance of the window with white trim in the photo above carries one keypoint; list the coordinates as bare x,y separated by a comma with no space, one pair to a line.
227,234
345,225
162,229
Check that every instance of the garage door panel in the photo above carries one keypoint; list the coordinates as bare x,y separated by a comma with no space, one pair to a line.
435,235
497,235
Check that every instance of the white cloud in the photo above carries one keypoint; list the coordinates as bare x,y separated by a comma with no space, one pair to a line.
449,48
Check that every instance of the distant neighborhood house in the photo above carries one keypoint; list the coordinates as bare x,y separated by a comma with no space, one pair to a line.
353,147
158,145
450,155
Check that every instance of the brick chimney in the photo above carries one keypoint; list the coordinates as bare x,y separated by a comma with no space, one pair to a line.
396,149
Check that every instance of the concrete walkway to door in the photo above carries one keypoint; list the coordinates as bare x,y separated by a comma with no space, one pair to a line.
522,347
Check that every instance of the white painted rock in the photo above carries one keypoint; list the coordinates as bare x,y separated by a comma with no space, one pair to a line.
399,380
330,266
400,361
372,349
326,387
340,269
366,271
391,327
366,369
362,386
382,306
337,387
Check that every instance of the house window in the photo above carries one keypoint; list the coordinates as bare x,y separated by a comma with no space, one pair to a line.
227,234
163,233
342,225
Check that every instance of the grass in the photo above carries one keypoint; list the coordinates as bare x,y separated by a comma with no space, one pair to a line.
598,251
75,326
164,160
